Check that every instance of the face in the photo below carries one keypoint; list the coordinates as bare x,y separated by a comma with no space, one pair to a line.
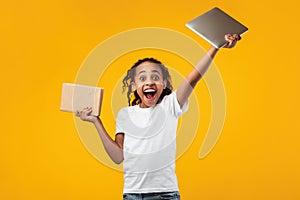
148,83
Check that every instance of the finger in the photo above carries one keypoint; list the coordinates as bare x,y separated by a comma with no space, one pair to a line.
231,40
87,108
237,37
87,111
227,37
229,44
232,37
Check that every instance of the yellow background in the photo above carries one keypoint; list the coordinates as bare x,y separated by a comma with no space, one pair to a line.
43,45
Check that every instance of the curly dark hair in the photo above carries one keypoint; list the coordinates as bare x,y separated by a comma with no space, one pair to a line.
129,78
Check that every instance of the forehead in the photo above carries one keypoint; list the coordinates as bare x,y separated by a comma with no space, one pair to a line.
148,67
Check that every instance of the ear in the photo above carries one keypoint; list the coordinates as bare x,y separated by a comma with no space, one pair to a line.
165,84
133,86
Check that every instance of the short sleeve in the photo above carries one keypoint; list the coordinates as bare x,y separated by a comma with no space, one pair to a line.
171,103
119,120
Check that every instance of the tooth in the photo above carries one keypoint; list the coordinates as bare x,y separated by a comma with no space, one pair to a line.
149,90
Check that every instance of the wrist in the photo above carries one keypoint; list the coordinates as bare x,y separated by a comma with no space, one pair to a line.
212,51
96,119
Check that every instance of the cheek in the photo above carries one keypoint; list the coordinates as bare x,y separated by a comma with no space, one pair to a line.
161,84
138,85
160,88
140,92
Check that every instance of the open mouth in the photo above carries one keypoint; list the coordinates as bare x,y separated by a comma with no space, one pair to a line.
150,93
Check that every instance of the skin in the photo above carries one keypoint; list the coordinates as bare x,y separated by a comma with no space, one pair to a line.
149,76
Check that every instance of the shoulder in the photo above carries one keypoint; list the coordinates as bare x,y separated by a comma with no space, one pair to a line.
170,103
125,111
169,98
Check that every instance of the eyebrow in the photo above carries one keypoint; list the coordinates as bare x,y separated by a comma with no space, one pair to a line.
151,71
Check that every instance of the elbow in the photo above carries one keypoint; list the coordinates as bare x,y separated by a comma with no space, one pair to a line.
117,158
192,81
118,161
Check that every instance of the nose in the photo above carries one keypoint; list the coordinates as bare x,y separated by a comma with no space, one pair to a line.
149,83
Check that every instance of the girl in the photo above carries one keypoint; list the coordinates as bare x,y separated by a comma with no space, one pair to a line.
146,130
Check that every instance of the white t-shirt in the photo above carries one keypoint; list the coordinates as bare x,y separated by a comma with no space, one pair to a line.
150,146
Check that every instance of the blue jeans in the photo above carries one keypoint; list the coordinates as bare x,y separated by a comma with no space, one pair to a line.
152,196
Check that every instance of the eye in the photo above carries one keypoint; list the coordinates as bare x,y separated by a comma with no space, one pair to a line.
155,77
142,78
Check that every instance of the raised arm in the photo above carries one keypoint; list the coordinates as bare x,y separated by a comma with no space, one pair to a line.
114,148
188,84
186,87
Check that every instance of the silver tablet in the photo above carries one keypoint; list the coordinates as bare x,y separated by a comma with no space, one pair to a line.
214,25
